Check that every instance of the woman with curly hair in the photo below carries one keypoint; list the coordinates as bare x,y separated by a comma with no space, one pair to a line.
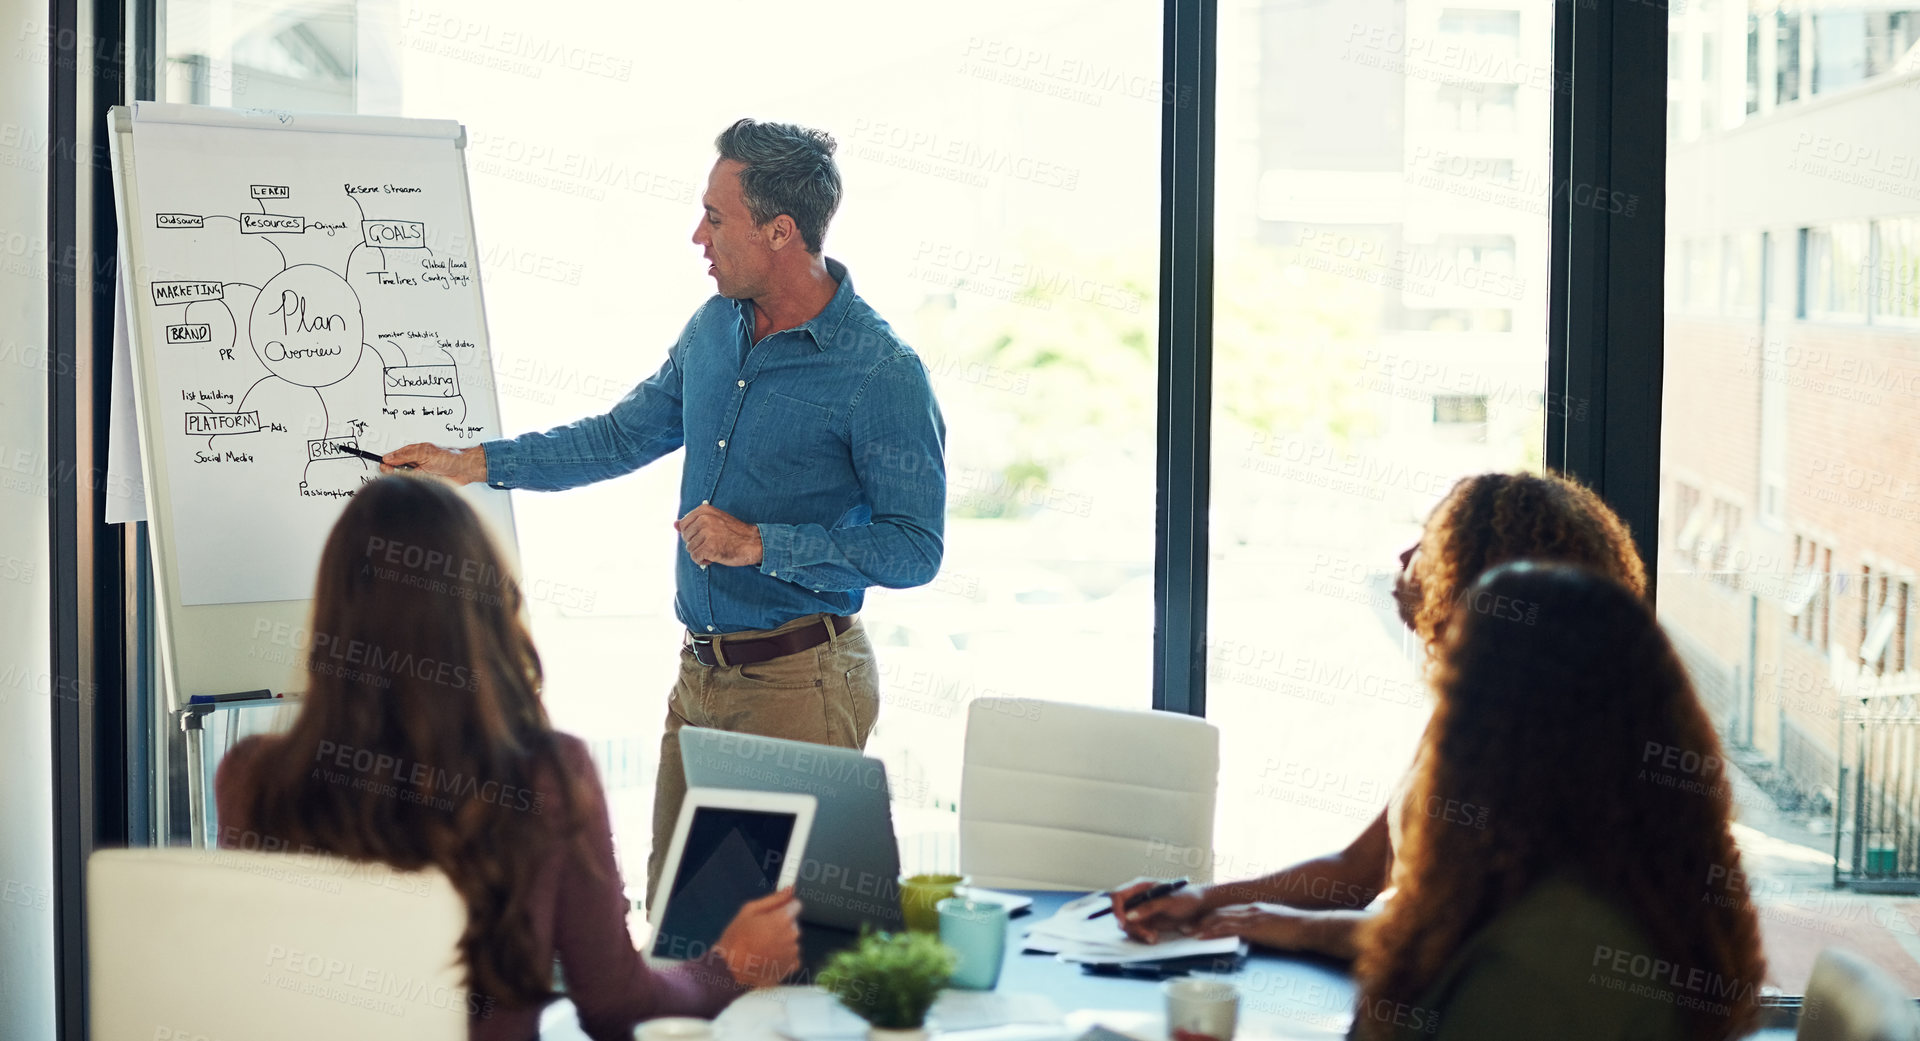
1493,518
1484,520
1520,912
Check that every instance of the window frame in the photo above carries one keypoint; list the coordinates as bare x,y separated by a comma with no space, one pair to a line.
1604,337
1885,288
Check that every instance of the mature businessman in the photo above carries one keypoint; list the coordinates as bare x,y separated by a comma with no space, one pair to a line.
814,465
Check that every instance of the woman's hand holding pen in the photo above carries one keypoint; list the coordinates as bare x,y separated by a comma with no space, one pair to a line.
1152,919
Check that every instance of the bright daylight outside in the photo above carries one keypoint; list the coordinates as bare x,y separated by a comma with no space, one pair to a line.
1001,211
1790,487
1383,191
1379,332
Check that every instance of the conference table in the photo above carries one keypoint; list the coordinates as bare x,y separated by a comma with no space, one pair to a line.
1282,997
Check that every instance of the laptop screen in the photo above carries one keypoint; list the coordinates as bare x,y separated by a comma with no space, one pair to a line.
730,857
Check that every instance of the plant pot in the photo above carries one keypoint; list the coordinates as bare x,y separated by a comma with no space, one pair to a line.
918,1033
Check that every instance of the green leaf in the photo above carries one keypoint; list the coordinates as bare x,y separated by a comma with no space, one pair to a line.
888,979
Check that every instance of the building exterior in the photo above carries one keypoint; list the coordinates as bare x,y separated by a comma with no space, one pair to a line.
1791,458
1403,145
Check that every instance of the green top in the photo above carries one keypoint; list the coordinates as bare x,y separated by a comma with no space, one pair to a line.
1560,964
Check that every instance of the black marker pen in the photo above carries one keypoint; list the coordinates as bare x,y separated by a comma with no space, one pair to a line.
376,457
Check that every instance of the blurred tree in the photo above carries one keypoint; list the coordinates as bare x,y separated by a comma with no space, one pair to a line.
1048,369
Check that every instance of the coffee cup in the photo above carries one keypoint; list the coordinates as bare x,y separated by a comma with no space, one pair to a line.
920,895
977,932
1201,1010
674,1028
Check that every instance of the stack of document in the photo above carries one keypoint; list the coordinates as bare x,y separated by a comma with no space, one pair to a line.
1073,934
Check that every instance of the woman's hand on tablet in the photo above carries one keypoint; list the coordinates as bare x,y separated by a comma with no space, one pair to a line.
762,943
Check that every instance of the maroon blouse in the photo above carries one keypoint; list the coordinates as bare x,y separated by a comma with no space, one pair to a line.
578,912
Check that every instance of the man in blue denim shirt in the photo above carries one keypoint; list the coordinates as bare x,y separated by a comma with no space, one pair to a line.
814,466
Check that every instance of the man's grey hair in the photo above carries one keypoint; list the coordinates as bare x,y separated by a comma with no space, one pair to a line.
790,170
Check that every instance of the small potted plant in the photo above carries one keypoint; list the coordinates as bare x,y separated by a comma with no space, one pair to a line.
891,980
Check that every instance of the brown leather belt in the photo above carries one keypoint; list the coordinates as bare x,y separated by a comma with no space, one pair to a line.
757,649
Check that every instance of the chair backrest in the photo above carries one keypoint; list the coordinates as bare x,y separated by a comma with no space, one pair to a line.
188,943
1058,796
1851,999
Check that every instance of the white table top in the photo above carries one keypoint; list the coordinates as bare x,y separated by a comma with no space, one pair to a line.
1281,998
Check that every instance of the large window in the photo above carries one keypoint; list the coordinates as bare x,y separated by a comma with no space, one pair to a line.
1001,212
1791,413
1894,285
1382,199
1381,192
1832,272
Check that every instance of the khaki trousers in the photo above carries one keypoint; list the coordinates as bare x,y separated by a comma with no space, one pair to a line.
829,695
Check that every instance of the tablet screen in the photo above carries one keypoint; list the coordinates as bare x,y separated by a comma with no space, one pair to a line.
730,857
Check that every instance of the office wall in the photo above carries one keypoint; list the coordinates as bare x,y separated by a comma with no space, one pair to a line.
26,745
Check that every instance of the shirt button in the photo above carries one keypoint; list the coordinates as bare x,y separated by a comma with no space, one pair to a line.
740,383
723,442
703,502
709,628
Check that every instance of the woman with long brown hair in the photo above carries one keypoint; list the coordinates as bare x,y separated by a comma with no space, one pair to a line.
1484,520
421,742
1568,818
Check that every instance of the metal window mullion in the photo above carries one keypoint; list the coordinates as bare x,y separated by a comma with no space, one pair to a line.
86,72
71,818
1183,464
1605,351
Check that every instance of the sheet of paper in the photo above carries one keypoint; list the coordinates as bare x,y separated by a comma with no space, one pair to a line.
981,1009
819,1016
311,294
1102,930
1123,954
1074,936
126,489
1013,902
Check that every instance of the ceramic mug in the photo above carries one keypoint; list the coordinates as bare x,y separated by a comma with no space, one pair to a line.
674,1028
919,895
977,932
1201,1010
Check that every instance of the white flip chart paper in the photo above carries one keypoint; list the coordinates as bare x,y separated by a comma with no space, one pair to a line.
312,294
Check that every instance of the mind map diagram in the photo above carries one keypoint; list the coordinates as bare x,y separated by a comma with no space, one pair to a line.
303,289
340,346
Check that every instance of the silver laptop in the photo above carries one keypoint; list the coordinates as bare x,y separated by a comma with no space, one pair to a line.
850,875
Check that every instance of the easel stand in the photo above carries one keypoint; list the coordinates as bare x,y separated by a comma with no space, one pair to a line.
211,727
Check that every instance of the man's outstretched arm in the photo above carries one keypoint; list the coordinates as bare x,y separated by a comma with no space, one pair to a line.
641,427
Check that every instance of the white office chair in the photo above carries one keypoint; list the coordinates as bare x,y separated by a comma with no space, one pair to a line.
185,944
1851,999
1057,796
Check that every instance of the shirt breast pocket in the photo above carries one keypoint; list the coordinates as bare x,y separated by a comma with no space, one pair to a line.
791,437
